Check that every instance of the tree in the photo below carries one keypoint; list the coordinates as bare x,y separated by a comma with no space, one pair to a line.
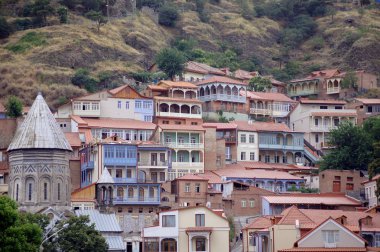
372,127
352,148
5,28
41,9
168,15
259,84
17,233
79,235
171,61
350,80
82,79
13,107
62,13
97,17
331,11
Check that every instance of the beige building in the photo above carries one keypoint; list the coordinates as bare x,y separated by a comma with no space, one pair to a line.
347,181
317,117
188,229
370,188
365,108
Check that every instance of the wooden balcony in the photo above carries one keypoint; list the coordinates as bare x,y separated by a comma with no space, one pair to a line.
179,115
260,111
136,201
333,90
185,145
303,92
223,97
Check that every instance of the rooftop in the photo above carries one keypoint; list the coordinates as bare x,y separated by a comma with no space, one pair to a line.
221,126
7,130
313,199
334,102
341,113
118,123
190,176
73,138
368,101
178,84
269,96
103,222
221,79
39,130
161,98
262,126
193,66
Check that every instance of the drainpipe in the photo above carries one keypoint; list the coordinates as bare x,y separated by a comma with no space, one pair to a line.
273,247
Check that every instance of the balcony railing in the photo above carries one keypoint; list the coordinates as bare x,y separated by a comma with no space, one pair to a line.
120,161
223,97
125,180
333,90
79,112
154,164
88,165
281,147
303,92
136,200
229,139
260,111
196,165
323,128
180,115
186,145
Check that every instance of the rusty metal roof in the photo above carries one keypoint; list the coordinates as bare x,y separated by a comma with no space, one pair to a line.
39,130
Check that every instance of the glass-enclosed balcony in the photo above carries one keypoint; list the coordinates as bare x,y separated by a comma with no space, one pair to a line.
137,194
120,155
183,140
281,141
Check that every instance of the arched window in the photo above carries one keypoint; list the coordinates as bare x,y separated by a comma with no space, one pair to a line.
120,192
59,191
29,187
17,192
45,191
130,192
141,194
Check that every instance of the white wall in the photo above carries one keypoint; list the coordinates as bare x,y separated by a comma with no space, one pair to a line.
160,231
248,147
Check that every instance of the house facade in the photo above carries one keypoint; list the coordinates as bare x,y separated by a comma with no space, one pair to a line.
370,188
365,108
346,181
219,93
120,103
317,117
188,229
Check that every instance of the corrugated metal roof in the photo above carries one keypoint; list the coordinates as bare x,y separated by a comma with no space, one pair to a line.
39,130
115,243
103,222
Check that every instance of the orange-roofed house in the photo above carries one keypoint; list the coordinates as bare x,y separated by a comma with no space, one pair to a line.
123,102
317,117
365,108
196,71
274,106
220,93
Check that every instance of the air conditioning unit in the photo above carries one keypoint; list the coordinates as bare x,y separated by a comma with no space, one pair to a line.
330,245
185,204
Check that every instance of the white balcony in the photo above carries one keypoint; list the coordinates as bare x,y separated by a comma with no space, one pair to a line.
179,115
260,111
333,90
186,145
302,92
188,165
322,128
223,97
153,164
87,113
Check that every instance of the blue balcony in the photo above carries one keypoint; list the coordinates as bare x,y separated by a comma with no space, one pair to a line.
87,166
136,201
144,106
125,180
265,146
85,183
120,161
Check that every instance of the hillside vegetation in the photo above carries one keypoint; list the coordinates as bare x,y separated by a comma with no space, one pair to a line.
46,58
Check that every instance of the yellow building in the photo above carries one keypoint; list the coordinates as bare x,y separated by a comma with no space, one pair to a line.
188,229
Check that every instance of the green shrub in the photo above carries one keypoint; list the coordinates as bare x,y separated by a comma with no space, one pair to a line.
82,79
62,13
5,28
168,15
154,4
317,43
13,107
28,41
21,24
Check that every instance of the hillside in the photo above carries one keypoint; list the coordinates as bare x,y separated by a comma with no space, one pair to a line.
46,58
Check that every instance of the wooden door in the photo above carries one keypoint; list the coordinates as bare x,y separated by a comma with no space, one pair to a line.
336,186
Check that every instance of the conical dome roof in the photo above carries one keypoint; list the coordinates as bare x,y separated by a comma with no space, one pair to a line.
105,178
39,130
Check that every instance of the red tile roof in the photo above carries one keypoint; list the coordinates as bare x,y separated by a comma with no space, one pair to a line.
262,126
73,138
220,79
277,97
374,178
119,123
324,250
292,214
341,113
327,73
239,171
196,67
243,75
180,127
212,177
313,199
221,126
260,223
78,119
309,101
155,87
190,176
368,101
178,84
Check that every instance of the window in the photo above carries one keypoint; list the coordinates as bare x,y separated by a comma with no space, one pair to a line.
17,192
252,156
30,191
338,107
200,244
193,140
243,138
243,203
177,122
181,140
251,203
337,178
59,191
168,139
168,220
127,105
251,138
141,210
316,138
242,156
120,153
147,118
45,191
369,109
86,106
162,157
108,152
119,173
331,236
187,187
267,159
199,220
350,179
130,210
162,176
165,122
194,123
197,187
138,104
377,240
147,104
181,158
349,186
323,107
119,104
316,122
131,153
129,173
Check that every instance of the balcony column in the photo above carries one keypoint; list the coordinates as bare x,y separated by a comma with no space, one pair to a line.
176,139
340,118
323,122
331,121
190,158
312,121
190,138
